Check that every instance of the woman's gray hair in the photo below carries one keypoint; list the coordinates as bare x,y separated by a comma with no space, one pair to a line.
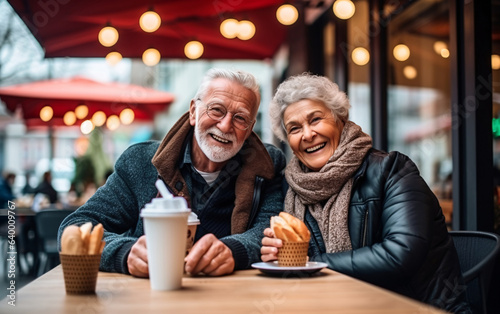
245,79
306,86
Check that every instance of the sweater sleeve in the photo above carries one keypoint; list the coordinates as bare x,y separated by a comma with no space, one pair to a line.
406,220
116,205
246,246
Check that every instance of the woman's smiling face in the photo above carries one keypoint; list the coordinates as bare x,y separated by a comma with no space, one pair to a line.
312,131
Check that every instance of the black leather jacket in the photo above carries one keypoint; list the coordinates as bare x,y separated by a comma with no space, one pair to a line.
398,234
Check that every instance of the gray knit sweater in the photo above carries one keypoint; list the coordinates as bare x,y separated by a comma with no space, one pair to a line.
117,206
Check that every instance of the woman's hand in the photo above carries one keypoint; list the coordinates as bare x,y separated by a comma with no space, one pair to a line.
270,245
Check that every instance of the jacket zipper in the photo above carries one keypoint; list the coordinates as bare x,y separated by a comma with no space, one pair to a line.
365,229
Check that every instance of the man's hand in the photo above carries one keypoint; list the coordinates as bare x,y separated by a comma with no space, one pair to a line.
137,260
270,245
209,256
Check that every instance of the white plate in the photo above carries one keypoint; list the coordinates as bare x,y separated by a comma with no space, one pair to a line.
272,268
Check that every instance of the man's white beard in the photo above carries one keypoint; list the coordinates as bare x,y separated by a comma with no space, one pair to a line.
214,152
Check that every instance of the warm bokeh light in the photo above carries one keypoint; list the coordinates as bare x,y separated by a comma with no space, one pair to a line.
287,14
229,28
401,52
151,57
127,116
81,112
495,62
410,72
246,30
46,113
445,53
439,45
113,122
344,9
99,118
113,58
108,36
86,127
150,21
360,56
69,118
193,49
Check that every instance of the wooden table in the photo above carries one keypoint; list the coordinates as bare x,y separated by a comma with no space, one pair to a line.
246,291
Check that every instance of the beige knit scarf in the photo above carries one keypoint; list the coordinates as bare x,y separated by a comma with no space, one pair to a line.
326,193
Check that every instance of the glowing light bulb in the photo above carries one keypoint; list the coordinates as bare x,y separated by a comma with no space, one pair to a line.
46,113
360,56
495,62
193,49
127,116
81,111
410,72
86,127
401,52
113,58
229,28
69,118
149,21
113,122
151,57
246,30
99,118
344,9
108,36
287,14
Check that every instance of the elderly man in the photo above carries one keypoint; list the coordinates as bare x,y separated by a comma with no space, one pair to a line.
211,157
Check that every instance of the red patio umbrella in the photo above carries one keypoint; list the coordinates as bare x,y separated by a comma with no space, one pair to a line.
71,28
65,95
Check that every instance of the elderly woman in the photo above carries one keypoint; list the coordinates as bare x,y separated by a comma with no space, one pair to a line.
370,214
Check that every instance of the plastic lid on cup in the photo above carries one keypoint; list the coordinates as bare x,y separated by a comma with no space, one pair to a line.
193,219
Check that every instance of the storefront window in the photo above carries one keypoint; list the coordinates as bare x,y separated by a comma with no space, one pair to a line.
419,91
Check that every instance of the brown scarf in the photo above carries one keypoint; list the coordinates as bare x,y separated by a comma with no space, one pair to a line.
330,186
256,162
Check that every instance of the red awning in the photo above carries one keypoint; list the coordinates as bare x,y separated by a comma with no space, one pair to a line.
66,94
71,28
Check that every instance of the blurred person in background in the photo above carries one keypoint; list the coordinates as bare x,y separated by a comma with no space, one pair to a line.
6,185
45,187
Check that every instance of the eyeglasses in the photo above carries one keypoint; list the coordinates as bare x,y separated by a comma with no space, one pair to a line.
217,112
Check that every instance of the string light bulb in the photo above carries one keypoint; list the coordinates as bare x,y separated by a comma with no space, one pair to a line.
151,57
287,14
193,49
108,36
401,52
81,111
150,21
113,58
495,62
86,127
127,116
410,72
69,118
360,56
113,122
46,113
344,9
246,30
229,28
98,118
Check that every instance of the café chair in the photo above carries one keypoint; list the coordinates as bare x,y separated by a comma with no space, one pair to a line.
477,252
47,225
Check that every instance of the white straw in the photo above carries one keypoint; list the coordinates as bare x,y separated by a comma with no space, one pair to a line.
163,189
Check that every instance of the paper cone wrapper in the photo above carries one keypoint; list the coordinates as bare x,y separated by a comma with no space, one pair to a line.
293,254
80,272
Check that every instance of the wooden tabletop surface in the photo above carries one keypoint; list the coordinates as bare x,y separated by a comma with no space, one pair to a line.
247,291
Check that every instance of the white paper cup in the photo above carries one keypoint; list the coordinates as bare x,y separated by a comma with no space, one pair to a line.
166,242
